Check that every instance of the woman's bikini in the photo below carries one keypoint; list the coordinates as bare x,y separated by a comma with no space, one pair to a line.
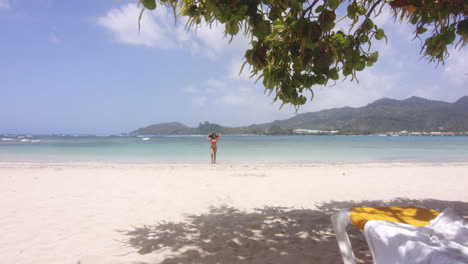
213,143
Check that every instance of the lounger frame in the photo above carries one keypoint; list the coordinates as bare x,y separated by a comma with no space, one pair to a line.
340,221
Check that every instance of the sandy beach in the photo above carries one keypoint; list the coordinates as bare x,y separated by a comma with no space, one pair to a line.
204,214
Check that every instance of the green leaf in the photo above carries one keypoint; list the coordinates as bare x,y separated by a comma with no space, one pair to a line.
367,24
261,29
333,74
321,79
319,9
363,38
448,37
359,66
333,4
349,54
351,11
309,44
149,4
374,56
421,30
346,43
309,82
462,27
361,10
329,26
232,28
347,70
339,37
379,34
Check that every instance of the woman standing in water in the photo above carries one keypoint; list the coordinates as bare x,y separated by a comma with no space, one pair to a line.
213,138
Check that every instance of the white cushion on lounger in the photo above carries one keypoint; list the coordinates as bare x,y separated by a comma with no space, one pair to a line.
444,240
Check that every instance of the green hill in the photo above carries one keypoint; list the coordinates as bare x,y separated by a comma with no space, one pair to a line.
172,128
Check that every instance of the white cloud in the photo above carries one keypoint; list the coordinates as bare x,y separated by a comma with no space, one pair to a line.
199,100
53,38
233,99
235,102
158,30
192,90
456,67
385,18
246,103
4,4
122,22
234,70
213,86
212,37
372,86
429,92
400,30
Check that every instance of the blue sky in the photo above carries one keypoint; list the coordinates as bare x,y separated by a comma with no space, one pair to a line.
81,67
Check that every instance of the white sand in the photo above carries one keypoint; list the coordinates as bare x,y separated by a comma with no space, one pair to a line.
83,214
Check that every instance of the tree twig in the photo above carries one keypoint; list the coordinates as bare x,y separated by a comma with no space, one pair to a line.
309,8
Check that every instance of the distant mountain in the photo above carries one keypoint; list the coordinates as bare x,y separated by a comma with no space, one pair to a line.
412,114
172,128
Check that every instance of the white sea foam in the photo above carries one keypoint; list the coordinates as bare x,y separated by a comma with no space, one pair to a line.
25,140
35,140
20,136
145,138
7,139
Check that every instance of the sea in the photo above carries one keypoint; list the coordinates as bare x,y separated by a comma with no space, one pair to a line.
232,149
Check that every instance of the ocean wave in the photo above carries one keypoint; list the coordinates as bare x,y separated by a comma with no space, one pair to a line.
145,139
7,139
35,140
25,140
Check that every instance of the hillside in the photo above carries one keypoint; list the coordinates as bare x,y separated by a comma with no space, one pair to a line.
412,114
172,128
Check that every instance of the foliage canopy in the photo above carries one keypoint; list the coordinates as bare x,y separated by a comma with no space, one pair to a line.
296,44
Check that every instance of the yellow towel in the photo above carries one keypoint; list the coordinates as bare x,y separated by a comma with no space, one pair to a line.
400,214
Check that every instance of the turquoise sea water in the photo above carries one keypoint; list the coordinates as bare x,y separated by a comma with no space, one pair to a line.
84,150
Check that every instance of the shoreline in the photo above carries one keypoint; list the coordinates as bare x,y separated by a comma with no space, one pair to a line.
231,165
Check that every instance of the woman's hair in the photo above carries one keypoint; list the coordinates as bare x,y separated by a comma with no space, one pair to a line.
213,136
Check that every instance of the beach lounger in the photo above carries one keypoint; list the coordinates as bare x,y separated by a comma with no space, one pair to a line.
358,217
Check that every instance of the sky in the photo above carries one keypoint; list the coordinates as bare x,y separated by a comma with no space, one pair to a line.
80,67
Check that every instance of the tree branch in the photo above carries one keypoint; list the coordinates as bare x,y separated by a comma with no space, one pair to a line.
309,8
358,31
372,8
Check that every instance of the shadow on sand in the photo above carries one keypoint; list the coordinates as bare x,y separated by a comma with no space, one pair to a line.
267,235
